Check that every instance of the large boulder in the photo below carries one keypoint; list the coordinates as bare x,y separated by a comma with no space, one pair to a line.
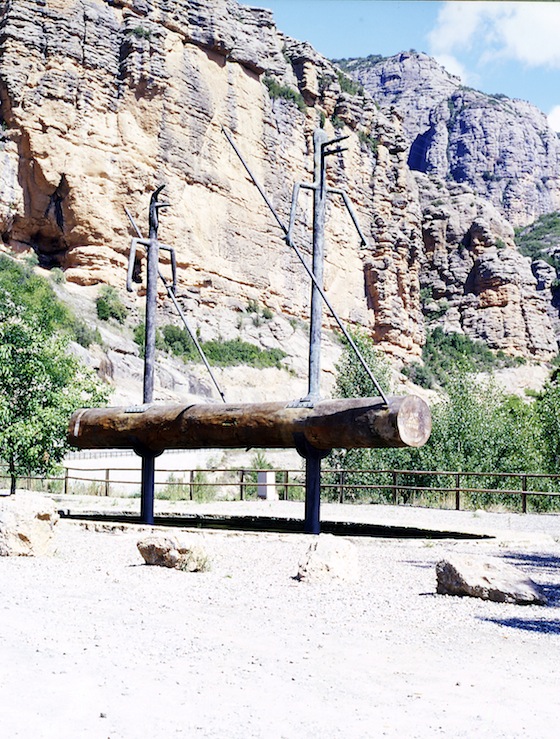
27,522
489,579
329,557
166,551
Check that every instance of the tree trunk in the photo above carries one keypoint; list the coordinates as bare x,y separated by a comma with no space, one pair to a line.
12,473
347,424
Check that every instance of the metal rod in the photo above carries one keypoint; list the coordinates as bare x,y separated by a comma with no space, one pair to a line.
319,209
147,487
350,210
193,336
309,271
171,289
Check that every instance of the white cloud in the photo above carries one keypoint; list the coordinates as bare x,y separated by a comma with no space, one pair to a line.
527,32
453,66
554,118
457,23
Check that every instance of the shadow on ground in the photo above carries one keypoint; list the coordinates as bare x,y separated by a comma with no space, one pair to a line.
544,568
536,625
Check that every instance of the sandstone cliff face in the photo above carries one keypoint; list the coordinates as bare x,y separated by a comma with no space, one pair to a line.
474,280
103,100
502,148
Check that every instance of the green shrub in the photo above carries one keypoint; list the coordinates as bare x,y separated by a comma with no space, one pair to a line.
533,241
178,342
368,140
276,90
443,352
85,335
141,32
58,276
349,85
109,305
419,374
139,335
235,352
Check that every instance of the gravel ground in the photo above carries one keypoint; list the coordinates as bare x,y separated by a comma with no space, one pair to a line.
96,644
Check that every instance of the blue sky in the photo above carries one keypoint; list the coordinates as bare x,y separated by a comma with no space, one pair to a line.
497,47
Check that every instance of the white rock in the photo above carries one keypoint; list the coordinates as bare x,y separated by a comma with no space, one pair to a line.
329,557
489,579
167,551
27,524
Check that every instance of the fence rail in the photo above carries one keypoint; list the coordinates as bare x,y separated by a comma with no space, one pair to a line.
410,487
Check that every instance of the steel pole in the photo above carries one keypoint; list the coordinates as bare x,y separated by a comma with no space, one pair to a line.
148,459
319,209
312,521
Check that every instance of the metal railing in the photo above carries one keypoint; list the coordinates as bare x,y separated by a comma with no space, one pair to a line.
443,489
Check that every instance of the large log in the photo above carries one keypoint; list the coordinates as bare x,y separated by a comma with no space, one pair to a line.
347,424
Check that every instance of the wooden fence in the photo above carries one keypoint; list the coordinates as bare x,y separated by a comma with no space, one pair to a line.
443,489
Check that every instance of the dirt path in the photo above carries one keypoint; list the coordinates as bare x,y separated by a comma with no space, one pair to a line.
96,644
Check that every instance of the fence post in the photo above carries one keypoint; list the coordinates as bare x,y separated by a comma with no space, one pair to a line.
457,492
66,481
191,485
524,494
395,494
241,484
286,488
342,484
107,476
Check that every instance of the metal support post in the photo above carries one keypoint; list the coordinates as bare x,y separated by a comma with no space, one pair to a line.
148,457
147,488
319,208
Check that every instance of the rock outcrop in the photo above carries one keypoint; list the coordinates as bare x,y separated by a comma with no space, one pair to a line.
102,101
502,148
27,524
474,281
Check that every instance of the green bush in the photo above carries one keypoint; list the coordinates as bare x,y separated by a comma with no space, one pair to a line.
443,352
235,352
178,342
109,305
276,90
476,427
368,140
534,240
228,353
85,335
139,335
349,85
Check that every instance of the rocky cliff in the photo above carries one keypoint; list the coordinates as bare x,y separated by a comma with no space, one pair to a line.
102,100
502,148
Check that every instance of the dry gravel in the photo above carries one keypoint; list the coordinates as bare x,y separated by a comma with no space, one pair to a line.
96,644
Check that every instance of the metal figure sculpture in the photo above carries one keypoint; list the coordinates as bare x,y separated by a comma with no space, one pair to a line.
153,246
322,148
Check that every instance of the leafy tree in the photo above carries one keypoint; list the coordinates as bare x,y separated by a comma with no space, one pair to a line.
40,385
476,427
548,413
33,295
